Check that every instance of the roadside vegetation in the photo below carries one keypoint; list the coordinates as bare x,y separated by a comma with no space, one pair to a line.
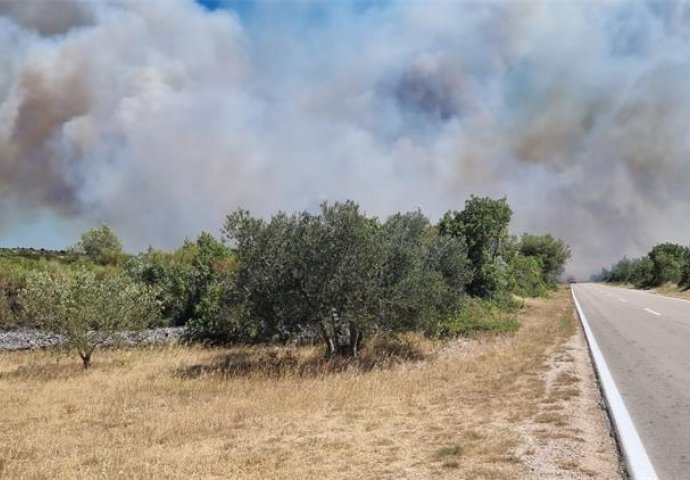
337,278
316,345
666,267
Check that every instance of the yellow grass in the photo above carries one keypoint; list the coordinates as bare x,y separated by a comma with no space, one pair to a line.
134,416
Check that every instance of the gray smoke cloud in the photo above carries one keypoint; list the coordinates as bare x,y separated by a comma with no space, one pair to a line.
160,117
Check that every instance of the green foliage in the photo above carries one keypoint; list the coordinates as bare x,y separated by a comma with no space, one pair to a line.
309,272
101,245
525,277
552,254
483,225
341,275
480,315
219,319
424,274
667,259
86,308
643,272
666,262
171,279
17,264
336,275
685,271
182,277
9,299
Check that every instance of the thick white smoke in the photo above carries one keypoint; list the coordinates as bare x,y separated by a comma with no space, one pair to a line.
160,117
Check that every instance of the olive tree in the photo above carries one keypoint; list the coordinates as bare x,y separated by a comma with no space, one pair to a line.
340,275
85,309
424,274
309,273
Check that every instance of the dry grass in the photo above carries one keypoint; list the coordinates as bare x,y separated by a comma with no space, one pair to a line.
134,415
667,289
672,290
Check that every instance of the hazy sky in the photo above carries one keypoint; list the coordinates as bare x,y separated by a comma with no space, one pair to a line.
160,117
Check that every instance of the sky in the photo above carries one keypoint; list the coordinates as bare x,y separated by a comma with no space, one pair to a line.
161,117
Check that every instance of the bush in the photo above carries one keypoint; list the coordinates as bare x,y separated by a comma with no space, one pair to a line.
525,277
184,276
479,315
219,318
101,245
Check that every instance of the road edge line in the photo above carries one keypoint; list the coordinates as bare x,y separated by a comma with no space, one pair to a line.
634,454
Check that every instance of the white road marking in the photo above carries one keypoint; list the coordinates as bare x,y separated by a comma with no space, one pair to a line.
640,467
649,310
622,300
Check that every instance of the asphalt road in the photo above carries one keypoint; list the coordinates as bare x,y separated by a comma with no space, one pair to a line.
645,339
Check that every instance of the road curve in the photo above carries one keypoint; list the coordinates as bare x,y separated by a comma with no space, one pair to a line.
645,339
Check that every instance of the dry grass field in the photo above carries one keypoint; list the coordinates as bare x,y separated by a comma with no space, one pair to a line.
489,408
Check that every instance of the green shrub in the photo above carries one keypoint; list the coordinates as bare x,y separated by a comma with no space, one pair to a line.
525,277
479,315
101,245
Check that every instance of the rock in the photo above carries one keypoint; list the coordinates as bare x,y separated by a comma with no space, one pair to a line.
28,338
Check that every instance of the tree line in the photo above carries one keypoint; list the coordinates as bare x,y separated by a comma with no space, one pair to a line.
665,263
337,276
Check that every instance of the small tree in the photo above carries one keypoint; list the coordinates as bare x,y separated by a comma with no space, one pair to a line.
85,309
101,245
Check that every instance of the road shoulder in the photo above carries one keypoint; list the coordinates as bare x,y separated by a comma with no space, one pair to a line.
570,435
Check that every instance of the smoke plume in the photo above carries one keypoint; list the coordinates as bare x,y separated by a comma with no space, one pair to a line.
160,117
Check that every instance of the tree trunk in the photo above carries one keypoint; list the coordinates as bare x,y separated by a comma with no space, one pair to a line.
86,359
355,336
330,344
